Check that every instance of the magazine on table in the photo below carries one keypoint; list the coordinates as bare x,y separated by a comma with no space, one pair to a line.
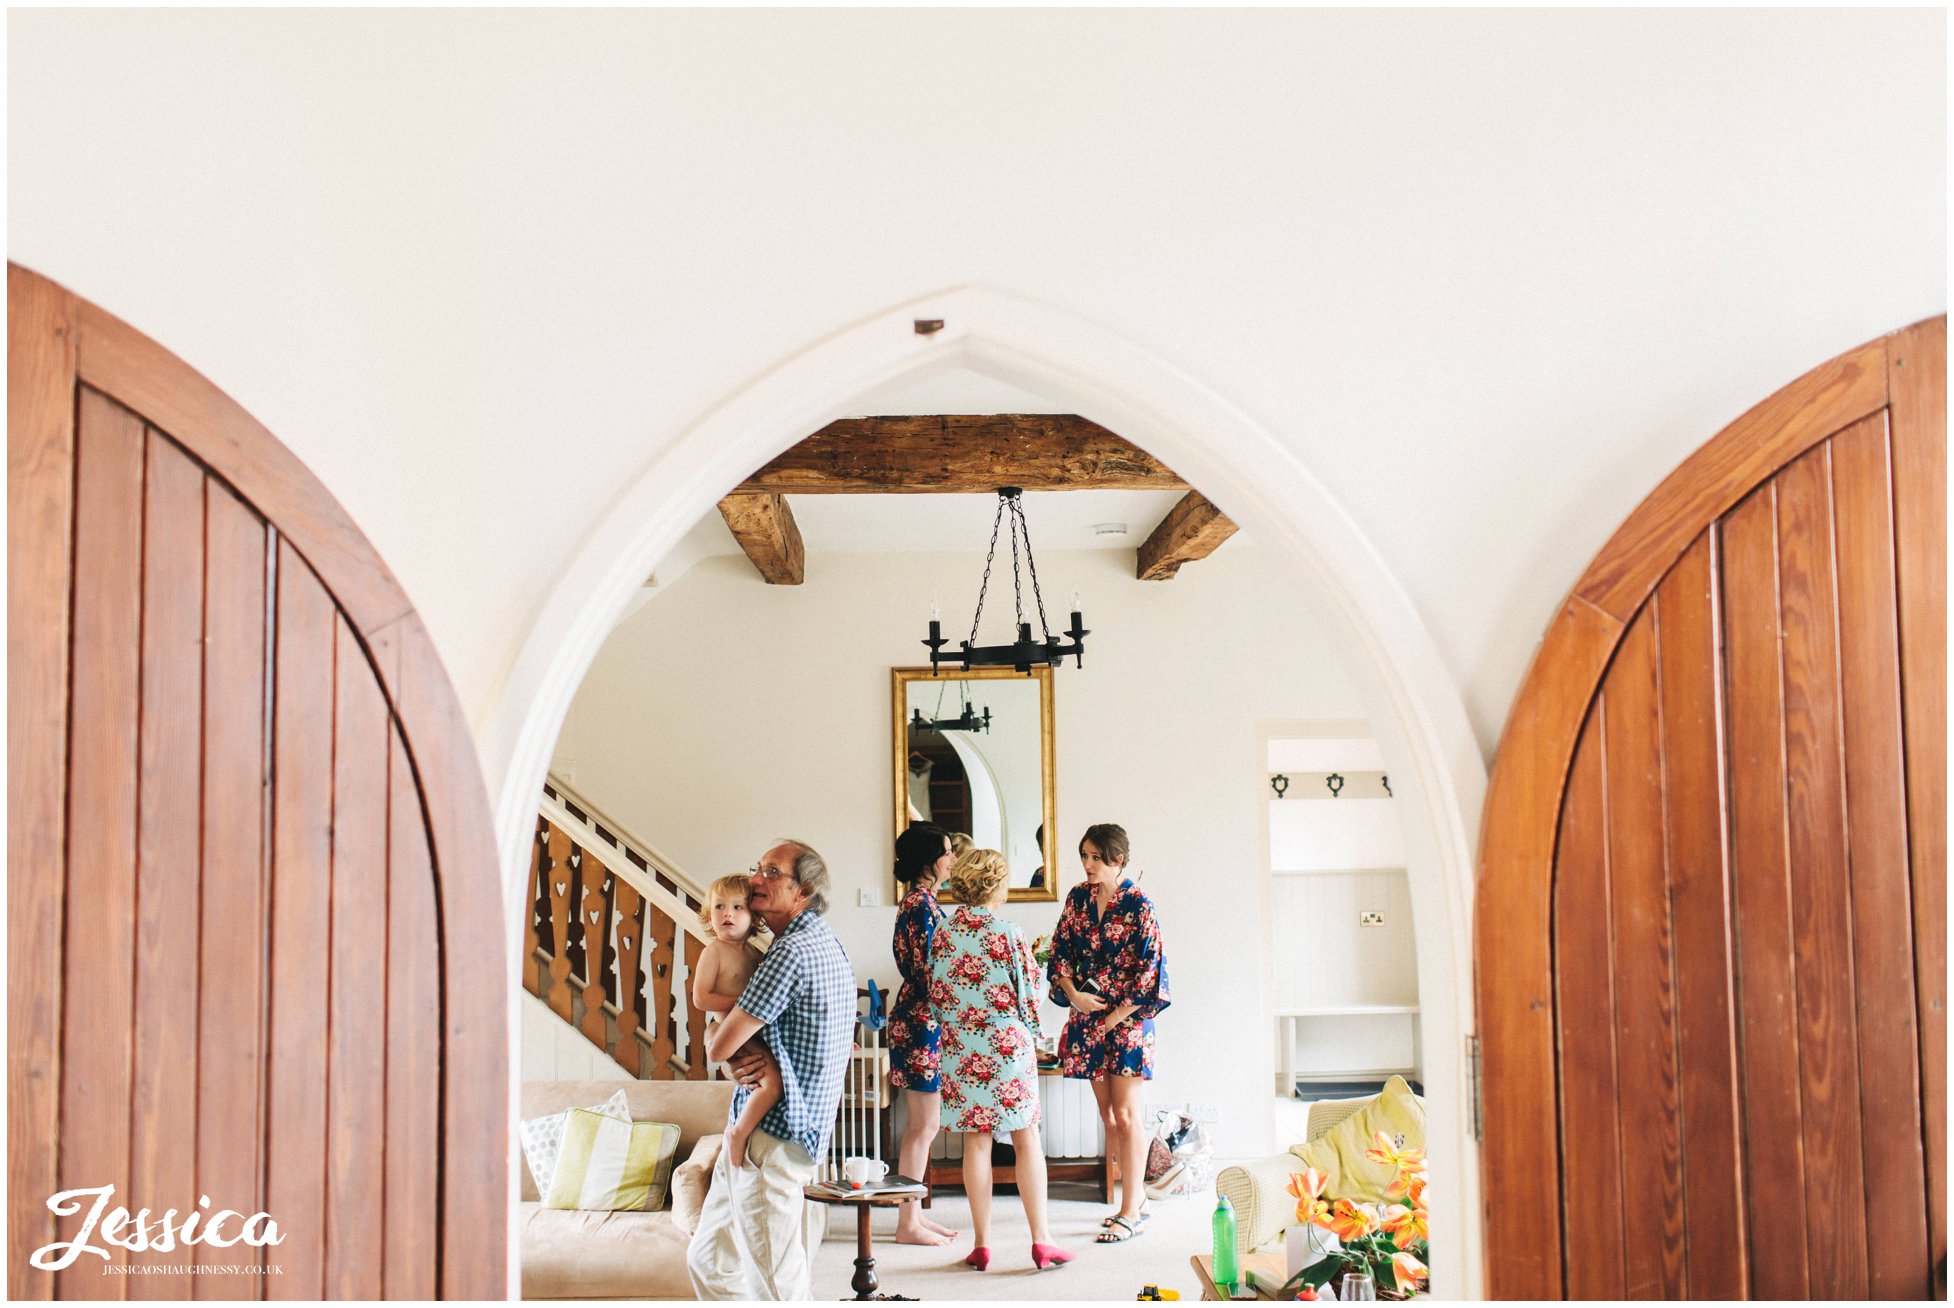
891,1184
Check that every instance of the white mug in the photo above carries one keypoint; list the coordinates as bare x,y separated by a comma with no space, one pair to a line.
863,1171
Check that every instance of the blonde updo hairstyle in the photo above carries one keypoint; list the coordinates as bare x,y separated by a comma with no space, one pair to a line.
976,876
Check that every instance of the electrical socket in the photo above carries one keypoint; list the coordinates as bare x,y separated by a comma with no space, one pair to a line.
1204,1112
1370,919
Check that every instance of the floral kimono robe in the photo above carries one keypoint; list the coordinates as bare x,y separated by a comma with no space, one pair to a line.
985,992
1120,957
913,1039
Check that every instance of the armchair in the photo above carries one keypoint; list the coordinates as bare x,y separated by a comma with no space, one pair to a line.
1259,1188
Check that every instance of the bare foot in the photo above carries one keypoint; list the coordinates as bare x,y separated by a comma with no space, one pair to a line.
921,1235
946,1232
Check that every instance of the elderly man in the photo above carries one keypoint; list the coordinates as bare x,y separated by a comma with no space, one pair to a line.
801,1001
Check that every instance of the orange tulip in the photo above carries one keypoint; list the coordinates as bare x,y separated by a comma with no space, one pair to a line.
1388,1153
1410,1186
1348,1221
1311,1207
1407,1226
1408,1270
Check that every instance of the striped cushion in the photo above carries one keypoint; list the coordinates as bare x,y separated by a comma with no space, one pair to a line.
542,1138
612,1166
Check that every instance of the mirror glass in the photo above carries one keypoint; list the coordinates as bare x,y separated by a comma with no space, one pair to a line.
973,753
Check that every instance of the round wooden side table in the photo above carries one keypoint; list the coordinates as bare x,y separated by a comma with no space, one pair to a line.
864,1202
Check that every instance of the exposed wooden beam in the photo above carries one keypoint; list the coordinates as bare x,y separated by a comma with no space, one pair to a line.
968,454
765,529
1191,530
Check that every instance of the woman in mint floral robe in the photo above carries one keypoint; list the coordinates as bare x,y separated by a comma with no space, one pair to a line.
985,989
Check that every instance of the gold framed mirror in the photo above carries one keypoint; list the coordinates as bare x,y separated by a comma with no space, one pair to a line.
972,751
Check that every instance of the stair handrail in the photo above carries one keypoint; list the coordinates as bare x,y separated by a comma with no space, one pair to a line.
650,852
674,906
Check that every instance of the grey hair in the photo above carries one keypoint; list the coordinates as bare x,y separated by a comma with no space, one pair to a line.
810,874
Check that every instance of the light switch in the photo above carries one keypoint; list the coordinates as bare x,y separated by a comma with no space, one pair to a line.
868,897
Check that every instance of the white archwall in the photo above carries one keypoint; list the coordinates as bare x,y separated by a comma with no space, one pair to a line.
1415,708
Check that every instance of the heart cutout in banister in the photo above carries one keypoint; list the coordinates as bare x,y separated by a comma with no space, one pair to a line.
627,942
593,917
562,888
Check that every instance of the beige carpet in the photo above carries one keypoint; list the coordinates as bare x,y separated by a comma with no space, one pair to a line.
1176,1229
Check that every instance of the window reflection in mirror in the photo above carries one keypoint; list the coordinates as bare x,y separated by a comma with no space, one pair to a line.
973,753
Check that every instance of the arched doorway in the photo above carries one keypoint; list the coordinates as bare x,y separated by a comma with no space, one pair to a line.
1414,707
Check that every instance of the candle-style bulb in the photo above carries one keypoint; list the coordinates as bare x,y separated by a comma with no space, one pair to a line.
936,611
1075,601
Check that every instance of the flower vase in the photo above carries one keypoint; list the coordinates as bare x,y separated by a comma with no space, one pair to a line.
1306,1246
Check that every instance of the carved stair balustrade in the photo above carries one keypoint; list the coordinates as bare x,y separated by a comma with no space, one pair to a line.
608,929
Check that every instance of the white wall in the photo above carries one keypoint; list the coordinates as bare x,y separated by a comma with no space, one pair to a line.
1489,275
553,1050
728,712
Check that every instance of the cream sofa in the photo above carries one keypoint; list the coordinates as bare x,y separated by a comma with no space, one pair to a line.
589,1255
1259,1189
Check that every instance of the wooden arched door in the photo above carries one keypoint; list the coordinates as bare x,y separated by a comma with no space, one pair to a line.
1711,918
254,921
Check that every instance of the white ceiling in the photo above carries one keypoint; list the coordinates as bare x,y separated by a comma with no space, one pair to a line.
959,391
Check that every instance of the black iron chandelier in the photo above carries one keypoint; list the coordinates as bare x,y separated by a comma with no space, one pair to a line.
1025,653
965,721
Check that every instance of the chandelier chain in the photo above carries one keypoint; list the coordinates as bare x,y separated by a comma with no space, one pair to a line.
984,586
1044,627
1017,576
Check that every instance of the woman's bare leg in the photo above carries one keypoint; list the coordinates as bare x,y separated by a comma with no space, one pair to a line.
1123,1107
977,1183
1031,1180
924,1109
1102,1093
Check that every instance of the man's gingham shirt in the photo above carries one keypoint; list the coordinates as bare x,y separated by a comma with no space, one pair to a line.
804,991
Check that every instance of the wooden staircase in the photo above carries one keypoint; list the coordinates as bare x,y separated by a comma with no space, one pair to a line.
613,938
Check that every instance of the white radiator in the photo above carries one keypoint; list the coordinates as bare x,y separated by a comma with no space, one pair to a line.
864,1104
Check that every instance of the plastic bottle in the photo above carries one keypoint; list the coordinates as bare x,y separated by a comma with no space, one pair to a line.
1226,1273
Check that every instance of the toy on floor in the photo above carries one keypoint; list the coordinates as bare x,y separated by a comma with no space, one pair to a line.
1154,1294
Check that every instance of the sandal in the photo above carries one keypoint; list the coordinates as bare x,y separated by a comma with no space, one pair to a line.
1146,1211
1118,1231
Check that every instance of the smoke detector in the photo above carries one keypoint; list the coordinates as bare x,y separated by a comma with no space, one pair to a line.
1109,529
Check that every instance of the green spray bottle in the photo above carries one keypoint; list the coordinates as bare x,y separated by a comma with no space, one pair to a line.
1226,1273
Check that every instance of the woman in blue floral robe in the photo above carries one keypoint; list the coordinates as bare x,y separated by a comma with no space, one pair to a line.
923,858
1110,968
